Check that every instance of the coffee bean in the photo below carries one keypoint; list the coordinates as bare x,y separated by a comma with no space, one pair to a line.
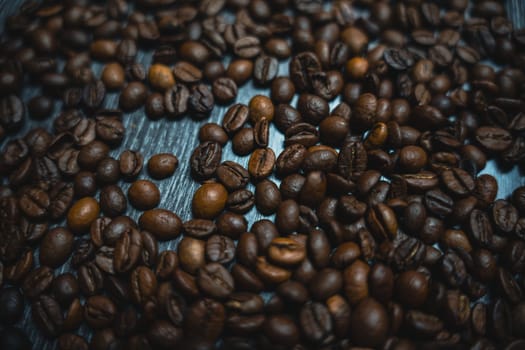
267,197
302,66
143,195
200,101
209,200
47,315
493,139
56,246
11,305
127,250
224,89
370,323
99,311
65,288
130,163
82,214
232,175
133,96
143,284
176,100
162,223
113,202
205,159
280,329
261,163
215,281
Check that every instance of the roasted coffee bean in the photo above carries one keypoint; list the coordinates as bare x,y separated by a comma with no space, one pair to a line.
280,329
127,250
232,175
213,132
162,223
302,66
144,194
267,197
209,200
224,89
47,315
130,163
370,323
107,171
133,96
200,101
11,112
220,249
11,305
99,311
143,284
261,132
65,288
82,214
205,159
176,100
214,280
56,246
243,143
493,139
316,323
113,202
261,163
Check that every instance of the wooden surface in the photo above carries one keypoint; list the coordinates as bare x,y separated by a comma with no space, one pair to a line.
180,138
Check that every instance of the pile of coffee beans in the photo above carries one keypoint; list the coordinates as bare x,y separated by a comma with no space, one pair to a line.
380,229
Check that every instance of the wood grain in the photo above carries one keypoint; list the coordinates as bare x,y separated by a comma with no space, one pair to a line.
180,138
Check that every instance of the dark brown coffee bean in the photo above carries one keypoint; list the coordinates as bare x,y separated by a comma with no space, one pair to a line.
453,269
186,72
162,223
232,175
113,202
224,89
176,100
480,227
65,288
370,323
144,194
422,323
47,315
247,47
316,323
261,163
99,311
90,279
200,101
127,250
11,305
240,201
214,280
199,228
56,246
205,159
143,284
108,171
207,313
130,163
493,139
265,69
220,249
209,200
302,67
133,96
304,133
267,197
